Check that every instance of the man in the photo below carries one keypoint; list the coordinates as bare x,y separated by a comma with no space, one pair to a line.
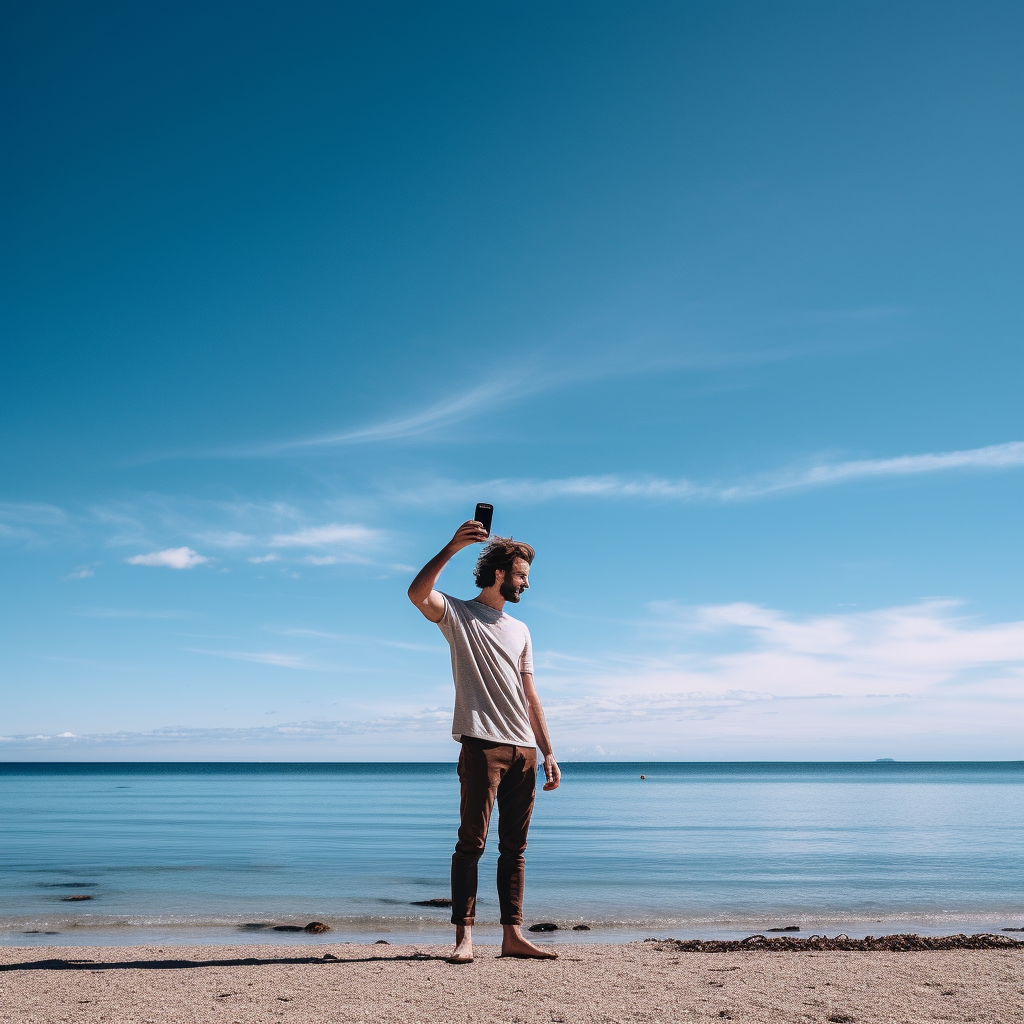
498,720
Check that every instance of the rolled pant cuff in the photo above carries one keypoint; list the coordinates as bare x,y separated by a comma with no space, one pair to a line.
511,920
464,922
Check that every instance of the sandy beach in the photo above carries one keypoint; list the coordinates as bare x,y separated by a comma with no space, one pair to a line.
642,981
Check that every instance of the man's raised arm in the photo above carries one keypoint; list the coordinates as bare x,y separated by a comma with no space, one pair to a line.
421,590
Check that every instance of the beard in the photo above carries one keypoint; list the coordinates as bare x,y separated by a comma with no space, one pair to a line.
510,592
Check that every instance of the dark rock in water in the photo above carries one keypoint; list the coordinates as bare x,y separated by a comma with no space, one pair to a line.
317,928
254,926
288,928
31,931
382,942
544,926
1013,929
581,927
440,901
74,899
68,885
788,928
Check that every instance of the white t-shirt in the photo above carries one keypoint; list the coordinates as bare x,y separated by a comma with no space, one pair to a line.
490,653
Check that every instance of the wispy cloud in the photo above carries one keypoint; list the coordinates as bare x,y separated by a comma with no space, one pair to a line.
227,539
432,721
30,522
82,572
615,486
330,535
129,613
268,531
171,558
440,414
348,638
259,531
506,384
275,658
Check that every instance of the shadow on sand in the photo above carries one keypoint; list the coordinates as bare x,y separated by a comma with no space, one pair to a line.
180,965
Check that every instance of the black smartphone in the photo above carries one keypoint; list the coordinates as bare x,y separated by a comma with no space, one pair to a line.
483,515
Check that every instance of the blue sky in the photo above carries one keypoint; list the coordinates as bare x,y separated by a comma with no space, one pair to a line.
719,304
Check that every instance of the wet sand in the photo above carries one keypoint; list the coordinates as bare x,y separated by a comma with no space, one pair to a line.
641,981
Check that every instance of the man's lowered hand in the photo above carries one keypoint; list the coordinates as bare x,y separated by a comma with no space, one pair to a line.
552,773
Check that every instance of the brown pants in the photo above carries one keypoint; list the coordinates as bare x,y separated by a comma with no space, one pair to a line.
488,771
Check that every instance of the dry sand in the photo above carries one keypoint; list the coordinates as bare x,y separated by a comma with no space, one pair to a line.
633,982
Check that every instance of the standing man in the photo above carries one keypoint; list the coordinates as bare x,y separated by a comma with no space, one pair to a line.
499,722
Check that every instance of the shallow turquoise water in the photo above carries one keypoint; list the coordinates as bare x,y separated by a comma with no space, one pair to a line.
715,849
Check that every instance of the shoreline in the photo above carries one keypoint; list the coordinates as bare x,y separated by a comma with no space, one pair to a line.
115,931
640,981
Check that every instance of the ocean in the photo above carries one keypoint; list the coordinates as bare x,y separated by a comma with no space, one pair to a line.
218,853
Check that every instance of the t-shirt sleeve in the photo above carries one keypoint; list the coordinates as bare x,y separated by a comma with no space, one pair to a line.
447,621
526,659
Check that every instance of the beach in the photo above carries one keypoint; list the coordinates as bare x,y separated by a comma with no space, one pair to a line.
640,981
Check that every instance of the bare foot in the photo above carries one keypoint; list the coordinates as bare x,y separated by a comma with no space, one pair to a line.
514,945
463,952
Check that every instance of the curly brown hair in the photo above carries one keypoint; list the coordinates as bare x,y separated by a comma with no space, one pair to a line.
500,553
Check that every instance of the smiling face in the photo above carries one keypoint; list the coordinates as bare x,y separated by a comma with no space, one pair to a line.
512,584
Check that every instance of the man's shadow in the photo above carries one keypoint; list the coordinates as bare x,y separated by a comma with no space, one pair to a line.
180,965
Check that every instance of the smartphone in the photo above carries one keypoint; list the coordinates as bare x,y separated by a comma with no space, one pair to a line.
483,515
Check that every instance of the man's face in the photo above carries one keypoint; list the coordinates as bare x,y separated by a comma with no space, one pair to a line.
516,581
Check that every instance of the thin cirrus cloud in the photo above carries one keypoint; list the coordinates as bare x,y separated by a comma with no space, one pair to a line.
507,384
129,613
82,572
348,638
434,417
340,534
171,558
273,658
614,486
30,522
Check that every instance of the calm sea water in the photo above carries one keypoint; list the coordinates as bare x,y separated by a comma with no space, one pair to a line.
204,852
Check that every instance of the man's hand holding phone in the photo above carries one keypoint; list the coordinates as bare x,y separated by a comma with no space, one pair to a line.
470,532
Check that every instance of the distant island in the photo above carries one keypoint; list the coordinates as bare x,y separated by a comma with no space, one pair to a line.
890,760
